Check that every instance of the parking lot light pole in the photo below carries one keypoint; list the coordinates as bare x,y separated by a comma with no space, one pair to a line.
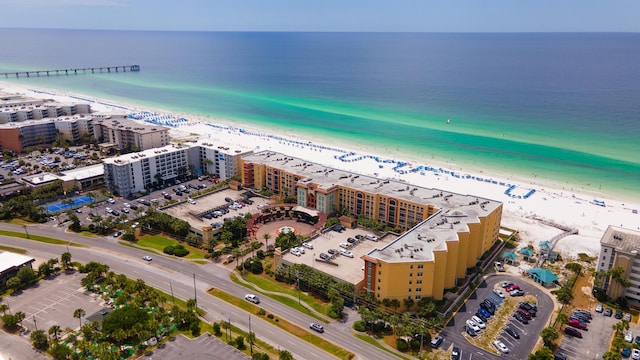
298,279
195,293
34,322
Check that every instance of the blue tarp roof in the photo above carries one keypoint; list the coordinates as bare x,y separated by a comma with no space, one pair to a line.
543,274
509,255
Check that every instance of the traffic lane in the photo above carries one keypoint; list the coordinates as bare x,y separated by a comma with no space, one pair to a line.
453,330
182,287
18,347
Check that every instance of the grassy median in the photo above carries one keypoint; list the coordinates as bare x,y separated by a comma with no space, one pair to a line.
285,325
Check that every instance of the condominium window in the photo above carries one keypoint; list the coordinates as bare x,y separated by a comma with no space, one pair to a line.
419,274
420,266
418,297
418,289
418,282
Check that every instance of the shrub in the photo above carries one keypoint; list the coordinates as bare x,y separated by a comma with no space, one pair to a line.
270,316
261,311
260,254
240,343
179,246
359,326
402,345
180,252
169,250
216,329
414,344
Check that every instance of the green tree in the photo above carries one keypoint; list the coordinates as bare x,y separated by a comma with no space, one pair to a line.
14,283
543,354
79,313
408,302
285,355
65,259
55,331
549,335
266,237
39,340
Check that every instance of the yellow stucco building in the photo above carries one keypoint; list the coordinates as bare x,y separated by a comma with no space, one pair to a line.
445,233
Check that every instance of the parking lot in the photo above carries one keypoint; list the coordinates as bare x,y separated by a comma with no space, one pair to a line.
595,341
205,205
519,349
203,347
340,266
53,301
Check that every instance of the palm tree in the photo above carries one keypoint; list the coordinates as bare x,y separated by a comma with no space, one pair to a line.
65,259
55,331
79,313
266,237
4,308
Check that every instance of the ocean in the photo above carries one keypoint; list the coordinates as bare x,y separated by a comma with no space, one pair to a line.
560,108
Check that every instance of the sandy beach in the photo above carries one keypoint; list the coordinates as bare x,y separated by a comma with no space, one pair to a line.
569,207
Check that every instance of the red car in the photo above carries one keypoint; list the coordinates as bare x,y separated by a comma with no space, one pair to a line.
512,287
524,313
577,324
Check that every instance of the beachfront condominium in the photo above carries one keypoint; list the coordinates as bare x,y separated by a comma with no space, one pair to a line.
620,248
16,136
444,233
121,133
140,171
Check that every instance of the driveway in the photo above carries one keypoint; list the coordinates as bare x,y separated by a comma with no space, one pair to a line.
595,341
520,349
203,347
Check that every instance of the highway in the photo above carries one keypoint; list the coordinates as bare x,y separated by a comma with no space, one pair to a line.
177,274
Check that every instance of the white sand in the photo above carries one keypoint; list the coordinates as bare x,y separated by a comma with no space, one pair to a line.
567,208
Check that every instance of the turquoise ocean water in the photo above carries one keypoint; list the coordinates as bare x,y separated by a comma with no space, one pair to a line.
562,107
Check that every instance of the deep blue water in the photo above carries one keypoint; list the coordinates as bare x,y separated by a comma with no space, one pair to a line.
559,106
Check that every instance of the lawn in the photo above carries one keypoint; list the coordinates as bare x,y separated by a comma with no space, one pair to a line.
295,330
44,239
375,343
268,284
158,242
12,249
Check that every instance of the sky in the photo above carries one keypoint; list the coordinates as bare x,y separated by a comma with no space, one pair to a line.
327,15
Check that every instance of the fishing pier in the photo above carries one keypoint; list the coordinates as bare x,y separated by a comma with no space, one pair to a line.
73,71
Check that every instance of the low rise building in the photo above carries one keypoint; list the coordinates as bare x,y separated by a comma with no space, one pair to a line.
124,134
10,264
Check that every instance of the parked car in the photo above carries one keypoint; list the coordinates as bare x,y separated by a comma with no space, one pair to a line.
473,325
191,201
324,256
295,252
372,237
488,308
111,201
524,313
499,293
559,356
332,251
635,354
572,332
344,245
484,312
317,327
607,312
506,284
629,337
599,308
637,340
125,210
346,253
618,314
351,240
521,318
308,245
577,324
501,347
516,292
481,316
626,317
512,287
626,352
470,331
479,321
117,234
437,341
513,332
455,354
252,298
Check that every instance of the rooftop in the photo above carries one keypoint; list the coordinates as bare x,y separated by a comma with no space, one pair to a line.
545,275
9,260
129,125
622,239
150,153
456,210
84,172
